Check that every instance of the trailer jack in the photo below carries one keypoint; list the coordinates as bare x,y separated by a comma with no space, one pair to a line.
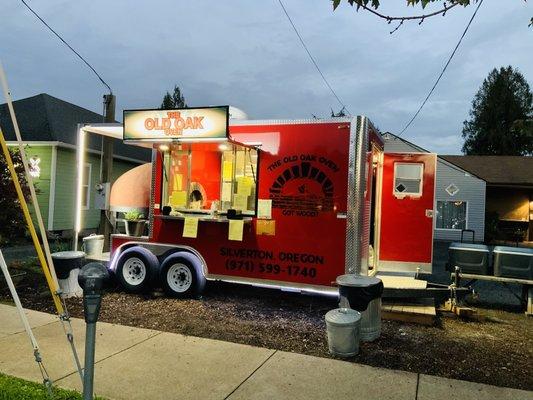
450,296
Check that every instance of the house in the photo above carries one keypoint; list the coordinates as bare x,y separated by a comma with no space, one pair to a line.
48,128
459,195
509,192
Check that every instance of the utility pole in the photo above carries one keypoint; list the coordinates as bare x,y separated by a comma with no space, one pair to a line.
107,166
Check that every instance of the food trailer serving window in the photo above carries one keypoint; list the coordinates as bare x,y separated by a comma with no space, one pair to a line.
210,178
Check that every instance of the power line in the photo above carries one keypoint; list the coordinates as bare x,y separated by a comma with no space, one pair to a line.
443,70
68,45
312,58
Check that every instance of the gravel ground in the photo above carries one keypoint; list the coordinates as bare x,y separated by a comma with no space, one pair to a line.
496,349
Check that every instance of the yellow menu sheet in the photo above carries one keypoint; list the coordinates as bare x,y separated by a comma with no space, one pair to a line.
178,198
178,182
227,171
236,227
190,227
240,202
265,227
244,185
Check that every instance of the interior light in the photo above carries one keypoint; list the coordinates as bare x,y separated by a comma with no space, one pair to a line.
163,147
223,147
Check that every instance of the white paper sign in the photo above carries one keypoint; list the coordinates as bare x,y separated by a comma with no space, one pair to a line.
264,209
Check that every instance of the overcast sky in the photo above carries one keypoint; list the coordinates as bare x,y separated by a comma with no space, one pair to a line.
245,53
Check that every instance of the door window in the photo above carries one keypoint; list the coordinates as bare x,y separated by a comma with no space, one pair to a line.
408,179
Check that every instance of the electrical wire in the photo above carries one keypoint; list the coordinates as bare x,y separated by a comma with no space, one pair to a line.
312,58
443,70
68,45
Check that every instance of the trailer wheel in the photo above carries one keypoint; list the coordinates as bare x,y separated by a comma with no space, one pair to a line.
178,277
137,269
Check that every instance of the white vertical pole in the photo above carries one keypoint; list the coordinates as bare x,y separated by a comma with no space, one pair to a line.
16,299
35,203
52,198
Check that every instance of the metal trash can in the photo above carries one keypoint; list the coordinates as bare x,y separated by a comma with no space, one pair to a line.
67,265
371,321
513,262
93,245
471,258
343,327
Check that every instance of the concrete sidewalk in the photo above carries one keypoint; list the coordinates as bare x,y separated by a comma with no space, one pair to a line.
134,363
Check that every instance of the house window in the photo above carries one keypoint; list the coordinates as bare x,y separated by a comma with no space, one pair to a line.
408,179
85,187
451,215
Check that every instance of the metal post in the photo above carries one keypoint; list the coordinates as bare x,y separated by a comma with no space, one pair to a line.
90,302
92,279
107,165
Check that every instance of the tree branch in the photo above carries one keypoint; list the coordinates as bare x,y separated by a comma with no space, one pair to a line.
401,19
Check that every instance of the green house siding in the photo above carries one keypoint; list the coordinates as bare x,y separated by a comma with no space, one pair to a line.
65,194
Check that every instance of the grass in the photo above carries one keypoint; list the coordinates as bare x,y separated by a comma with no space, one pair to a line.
18,389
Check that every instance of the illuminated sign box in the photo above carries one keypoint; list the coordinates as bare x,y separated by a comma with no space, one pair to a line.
188,123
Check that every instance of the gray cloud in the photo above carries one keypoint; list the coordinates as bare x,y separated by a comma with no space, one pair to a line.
245,53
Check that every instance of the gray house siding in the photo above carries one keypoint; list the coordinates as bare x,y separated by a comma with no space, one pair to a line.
471,189
396,145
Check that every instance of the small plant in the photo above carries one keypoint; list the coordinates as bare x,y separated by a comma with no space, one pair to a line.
133,216
135,223
60,245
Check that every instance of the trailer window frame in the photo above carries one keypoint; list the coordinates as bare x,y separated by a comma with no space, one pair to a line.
235,147
402,194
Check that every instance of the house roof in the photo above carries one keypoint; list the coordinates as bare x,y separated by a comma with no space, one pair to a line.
391,136
497,170
45,118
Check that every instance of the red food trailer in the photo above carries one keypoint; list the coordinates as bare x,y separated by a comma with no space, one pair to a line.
286,204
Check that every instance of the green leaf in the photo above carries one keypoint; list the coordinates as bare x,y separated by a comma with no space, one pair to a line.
336,4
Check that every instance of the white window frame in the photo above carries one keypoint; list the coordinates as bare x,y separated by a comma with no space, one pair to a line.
401,195
87,187
451,229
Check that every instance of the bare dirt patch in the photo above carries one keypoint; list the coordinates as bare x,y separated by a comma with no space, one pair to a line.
497,349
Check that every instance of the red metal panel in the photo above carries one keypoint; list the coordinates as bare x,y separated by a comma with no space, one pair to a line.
304,170
407,223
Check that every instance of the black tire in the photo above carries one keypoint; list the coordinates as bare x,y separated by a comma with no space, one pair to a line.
178,277
137,269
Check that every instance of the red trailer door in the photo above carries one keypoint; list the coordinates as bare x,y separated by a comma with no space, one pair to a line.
408,194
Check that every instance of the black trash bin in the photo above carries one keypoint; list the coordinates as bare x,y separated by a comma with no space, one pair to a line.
359,290
363,293
67,265
66,261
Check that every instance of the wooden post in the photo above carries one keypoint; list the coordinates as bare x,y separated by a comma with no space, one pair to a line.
105,227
